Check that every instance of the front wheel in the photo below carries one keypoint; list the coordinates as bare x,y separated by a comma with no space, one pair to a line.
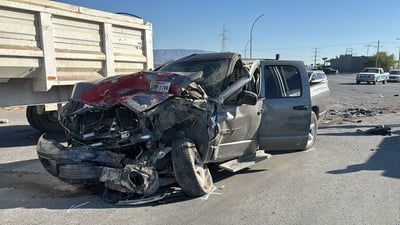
312,132
190,172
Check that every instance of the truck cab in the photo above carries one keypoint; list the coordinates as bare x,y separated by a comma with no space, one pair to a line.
280,118
372,75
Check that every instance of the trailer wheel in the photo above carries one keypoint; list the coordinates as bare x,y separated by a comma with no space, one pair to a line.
46,122
30,110
190,172
312,133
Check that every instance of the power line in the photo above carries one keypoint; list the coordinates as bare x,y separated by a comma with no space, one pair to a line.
327,46
224,38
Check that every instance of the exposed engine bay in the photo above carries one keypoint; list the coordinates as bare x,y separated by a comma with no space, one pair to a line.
123,136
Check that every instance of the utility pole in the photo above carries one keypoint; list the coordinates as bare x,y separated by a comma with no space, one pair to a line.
367,48
224,38
315,55
398,61
377,54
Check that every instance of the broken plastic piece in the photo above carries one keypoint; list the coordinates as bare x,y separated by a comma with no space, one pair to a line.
140,201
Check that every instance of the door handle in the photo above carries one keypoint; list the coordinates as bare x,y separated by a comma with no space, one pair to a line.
300,107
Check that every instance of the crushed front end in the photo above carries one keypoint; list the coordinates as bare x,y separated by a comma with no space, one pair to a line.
120,130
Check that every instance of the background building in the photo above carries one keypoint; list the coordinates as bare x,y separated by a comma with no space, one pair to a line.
349,63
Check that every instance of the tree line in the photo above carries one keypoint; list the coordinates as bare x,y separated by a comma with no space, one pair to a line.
381,59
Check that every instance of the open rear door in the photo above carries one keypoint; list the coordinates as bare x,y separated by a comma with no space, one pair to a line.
286,114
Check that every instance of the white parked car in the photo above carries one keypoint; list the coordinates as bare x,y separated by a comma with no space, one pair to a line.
394,75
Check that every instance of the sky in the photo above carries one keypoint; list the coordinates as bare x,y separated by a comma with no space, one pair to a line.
306,30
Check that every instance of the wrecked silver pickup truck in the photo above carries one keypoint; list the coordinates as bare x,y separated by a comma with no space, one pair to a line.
135,132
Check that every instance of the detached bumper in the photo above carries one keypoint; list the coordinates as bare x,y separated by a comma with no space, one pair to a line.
75,165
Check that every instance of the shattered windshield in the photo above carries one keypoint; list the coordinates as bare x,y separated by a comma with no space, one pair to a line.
214,73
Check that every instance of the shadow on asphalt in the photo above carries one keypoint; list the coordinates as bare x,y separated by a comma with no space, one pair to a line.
39,189
386,158
22,135
353,129
219,174
348,84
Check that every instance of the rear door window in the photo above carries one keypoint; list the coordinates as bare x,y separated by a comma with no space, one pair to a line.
282,82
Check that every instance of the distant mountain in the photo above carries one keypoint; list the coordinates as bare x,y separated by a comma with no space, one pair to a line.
164,55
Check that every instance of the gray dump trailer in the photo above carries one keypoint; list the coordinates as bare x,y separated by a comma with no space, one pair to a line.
46,47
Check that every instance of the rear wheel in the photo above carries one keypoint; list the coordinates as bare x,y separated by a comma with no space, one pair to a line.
46,122
30,111
312,133
190,172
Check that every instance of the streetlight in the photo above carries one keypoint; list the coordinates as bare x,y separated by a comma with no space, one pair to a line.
251,35
245,49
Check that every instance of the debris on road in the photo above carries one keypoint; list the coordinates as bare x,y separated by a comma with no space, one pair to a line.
353,121
378,130
353,115
141,201
358,112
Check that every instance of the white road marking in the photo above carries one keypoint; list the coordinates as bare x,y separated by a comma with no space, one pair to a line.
212,192
73,207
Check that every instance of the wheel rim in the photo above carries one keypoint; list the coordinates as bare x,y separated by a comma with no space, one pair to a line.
202,173
191,173
52,116
311,133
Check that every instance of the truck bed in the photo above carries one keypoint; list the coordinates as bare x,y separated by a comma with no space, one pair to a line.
46,47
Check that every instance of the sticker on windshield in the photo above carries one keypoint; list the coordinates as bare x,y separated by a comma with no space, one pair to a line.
160,86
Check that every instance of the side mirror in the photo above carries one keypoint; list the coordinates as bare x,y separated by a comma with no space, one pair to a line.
248,98
314,81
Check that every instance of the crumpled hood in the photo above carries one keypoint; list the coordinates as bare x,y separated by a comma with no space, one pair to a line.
139,91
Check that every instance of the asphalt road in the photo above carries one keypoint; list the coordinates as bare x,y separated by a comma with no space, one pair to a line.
349,177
